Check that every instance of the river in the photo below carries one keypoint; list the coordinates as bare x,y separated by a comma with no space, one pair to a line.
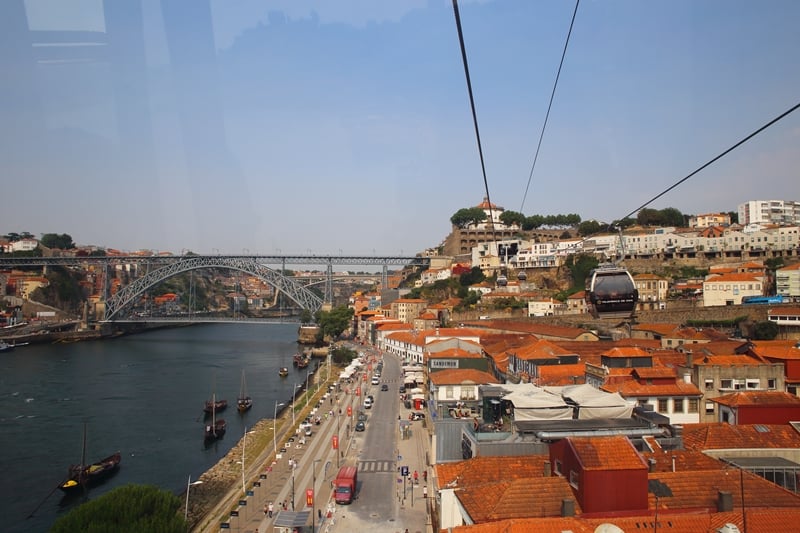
140,394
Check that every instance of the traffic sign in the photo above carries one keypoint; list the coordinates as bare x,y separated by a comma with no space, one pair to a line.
404,471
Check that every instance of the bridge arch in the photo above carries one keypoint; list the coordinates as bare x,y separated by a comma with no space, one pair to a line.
131,293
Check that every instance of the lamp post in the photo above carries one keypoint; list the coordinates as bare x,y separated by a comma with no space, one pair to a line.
294,465
275,427
294,393
313,492
308,375
189,484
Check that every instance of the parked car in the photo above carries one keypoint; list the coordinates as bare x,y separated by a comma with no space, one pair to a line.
376,380
367,404
360,426
402,389
416,416
362,416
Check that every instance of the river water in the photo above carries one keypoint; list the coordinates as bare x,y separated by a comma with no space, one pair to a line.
140,394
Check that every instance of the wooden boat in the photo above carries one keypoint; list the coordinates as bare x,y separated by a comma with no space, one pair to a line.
212,406
243,402
283,372
81,476
303,362
6,347
216,429
297,359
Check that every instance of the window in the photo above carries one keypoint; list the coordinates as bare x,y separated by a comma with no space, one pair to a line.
726,384
662,405
573,478
709,384
709,408
677,405
694,405
753,383
448,391
771,383
557,466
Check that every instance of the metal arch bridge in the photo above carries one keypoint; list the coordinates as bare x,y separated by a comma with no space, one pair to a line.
253,264
131,293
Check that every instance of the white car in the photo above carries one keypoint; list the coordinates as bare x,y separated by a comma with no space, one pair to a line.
376,380
367,404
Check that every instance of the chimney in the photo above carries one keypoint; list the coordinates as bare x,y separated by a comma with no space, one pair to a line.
651,465
687,378
724,502
567,507
673,463
688,358
547,469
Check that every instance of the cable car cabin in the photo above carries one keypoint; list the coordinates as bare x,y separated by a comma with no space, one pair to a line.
521,275
611,292
502,281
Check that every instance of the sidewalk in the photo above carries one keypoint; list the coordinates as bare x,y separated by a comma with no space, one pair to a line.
317,466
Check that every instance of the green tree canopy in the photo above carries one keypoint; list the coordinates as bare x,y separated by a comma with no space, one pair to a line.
511,218
580,267
468,216
474,276
332,323
765,331
61,242
589,227
127,509
664,217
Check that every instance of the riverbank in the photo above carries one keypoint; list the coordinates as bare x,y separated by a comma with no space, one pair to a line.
220,490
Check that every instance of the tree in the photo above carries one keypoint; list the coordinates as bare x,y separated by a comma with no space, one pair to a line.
648,217
342,356
306,317
332,323
734,217
580,267
672,217
61,242
589,227
468,216
533,222
474,276
126,509
512,218
765,331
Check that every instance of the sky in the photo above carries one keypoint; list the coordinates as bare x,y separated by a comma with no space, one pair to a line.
344,127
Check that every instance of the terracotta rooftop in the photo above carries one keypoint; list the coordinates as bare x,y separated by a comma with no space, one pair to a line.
699,490
681,460
519,498
560,375
481,470
534,328
759,398
454,353
460,376
658,328
719,435
606,453
725,360
625,352
632,388
783,350
759,520
541,349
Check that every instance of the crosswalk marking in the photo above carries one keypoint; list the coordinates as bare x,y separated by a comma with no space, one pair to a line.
376,466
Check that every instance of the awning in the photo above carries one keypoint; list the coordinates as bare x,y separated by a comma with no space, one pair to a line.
291,519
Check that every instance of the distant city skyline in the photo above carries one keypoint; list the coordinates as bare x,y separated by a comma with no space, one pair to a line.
344,128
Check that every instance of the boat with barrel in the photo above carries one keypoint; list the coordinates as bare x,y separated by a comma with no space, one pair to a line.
82,476
214,406
283,372
244,402
216,429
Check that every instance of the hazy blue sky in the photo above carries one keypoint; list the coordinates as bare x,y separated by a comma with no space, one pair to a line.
326,126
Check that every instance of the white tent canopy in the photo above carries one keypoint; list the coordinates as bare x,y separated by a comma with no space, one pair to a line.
532,403
593,403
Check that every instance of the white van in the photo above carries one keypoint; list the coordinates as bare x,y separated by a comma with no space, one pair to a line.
367,403
376,380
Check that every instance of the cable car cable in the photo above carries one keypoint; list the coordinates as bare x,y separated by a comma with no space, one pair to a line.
474,114
682,180
549,105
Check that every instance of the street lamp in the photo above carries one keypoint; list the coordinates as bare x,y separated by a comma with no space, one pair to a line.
189,484
308,375
313,492
275,427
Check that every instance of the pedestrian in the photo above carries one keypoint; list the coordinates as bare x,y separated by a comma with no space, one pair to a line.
285,507
265,509
425,491
416,477
271,508
425,476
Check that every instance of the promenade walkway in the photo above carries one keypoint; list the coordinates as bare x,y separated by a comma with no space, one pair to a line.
317,464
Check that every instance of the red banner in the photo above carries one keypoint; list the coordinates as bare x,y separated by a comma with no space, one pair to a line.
309,497
335,442
358,391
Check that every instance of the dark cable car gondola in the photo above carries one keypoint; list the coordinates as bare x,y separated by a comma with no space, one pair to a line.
502,280
522,276
611,292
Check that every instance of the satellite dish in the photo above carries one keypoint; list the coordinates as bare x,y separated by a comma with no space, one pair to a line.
608,528
729,528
